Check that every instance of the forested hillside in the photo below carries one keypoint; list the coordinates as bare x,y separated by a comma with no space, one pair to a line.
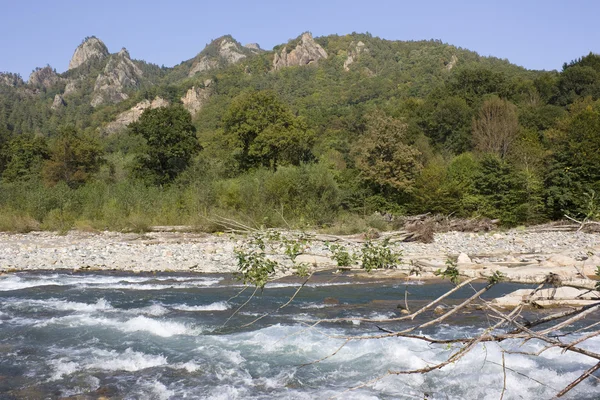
330,131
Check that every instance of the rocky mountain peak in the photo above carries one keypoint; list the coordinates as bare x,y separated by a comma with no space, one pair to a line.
45,77
254,47
306,52
119,75
222,51
123,53
92,47
10,79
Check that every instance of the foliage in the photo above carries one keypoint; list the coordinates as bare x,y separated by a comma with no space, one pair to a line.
379,256
170,143
340,255
408,128
383,156
265,132
25,155
451,272
74,158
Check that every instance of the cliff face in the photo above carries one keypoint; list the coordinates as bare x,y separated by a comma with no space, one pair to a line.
196,98
220,52
356,49
133,114
92,47
119,75
44,77
306,52
58,102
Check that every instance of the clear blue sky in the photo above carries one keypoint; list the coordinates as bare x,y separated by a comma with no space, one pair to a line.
534,34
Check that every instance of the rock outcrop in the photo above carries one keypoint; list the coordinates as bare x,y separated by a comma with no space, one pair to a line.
196,97
452,63
254,47
133,114
58,102
355,51
71,87
91,47
306,52
10,79
43,77
561,296
220,52
119,75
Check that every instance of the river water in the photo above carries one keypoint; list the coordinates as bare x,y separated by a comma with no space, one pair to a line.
167,336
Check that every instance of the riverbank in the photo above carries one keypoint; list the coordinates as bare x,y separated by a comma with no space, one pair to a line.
525,256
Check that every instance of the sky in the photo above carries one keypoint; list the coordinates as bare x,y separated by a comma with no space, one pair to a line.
534,34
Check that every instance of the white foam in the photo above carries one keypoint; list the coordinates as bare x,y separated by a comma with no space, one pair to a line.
104,360
217,306
155,310
15,282
137,324
155,327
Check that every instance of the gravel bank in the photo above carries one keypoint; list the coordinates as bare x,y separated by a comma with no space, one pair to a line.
522,255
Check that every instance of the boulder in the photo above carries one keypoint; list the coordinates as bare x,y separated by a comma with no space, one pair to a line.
463,259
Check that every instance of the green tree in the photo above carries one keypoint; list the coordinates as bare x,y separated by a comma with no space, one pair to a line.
447,123
74,158
25,155
383,156
265,132
575,163
170,143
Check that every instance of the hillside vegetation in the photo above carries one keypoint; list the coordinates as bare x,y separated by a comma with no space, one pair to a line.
326,132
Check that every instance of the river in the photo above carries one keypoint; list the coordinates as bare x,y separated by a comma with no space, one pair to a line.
172,336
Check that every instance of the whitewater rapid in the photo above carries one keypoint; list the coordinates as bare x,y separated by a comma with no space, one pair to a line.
164,336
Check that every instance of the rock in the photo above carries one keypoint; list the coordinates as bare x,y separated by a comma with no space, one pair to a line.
562,296
10,79
314,260
58,102
91,48
222,51
562,260
43,77
463,259
133,114
452,63
196,97
353,53
306,52
440,310
254,47
331,300
119,75
71,87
